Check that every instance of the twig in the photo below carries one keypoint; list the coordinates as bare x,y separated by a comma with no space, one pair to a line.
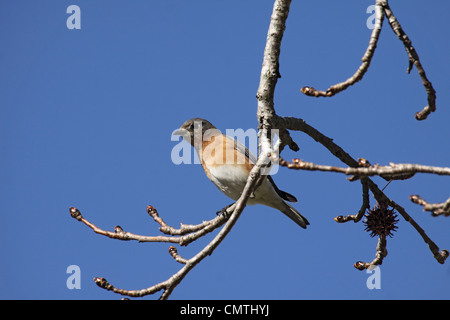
174,253
104,284
413,60
436,209
394,171
380,254
120,234
365,205
382,8
196,231
300,125
440,256
366,59
168,285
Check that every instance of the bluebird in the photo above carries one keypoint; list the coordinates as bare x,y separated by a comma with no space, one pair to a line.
227,163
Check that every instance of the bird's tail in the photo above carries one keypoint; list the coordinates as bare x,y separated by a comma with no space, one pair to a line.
294,215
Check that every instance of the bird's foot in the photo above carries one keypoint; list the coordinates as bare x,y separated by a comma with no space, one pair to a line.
227,211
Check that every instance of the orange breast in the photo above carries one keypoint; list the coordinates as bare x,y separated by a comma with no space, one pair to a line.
220,150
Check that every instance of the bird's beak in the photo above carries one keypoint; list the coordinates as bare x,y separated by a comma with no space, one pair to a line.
180,132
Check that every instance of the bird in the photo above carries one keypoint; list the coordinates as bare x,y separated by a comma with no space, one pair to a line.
227,163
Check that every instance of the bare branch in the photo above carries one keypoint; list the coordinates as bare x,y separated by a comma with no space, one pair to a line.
119,234
270,70
413,60
168,285
174,253
394,171
104,284
436,209
440,256
300,125
365,205
382,8
366,59
381,253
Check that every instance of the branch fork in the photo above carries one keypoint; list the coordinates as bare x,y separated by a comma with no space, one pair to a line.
382,9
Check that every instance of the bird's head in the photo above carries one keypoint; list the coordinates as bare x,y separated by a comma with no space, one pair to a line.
195,128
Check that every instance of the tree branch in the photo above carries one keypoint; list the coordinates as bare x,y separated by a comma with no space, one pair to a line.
394,171
168,285
380,254
300,125
364,206
270,72
189,233
382,8
366,59
436,209
413,60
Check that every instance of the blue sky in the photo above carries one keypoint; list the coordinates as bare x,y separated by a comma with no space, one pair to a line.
86,118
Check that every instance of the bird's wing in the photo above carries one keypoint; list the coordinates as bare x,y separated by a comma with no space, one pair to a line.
284,195
243,149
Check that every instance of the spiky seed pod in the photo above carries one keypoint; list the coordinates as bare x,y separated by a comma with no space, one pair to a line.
381,221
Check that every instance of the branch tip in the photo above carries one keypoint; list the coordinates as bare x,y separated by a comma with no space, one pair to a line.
174,253
364,163
341,219
102,283
442,256
436,209
152,211
173,250
361,265
312,92
75,213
